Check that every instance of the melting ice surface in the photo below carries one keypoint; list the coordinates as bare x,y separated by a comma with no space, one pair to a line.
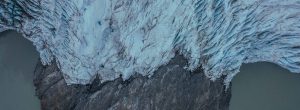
122,37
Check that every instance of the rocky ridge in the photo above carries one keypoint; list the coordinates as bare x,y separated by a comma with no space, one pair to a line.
171,88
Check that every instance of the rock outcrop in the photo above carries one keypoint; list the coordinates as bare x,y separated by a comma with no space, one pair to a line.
171,88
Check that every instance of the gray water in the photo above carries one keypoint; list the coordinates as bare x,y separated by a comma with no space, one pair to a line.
259,86
18,58
265,86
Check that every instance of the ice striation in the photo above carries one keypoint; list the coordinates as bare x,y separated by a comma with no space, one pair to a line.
113,38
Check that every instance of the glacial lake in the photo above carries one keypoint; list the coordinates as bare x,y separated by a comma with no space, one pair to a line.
18,58
259,86
265,86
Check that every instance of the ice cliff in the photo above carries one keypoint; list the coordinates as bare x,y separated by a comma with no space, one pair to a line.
115,38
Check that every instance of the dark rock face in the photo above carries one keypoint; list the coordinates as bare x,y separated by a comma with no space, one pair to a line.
170,88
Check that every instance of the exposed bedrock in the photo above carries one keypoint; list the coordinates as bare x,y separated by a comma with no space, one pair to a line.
171,88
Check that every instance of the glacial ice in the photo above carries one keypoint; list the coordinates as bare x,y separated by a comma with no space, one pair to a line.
113,38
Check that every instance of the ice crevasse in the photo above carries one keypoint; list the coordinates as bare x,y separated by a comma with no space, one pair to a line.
113,38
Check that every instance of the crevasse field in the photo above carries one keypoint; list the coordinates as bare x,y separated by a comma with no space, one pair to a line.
115,38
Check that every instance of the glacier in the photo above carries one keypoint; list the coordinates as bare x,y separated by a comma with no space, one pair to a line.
113,38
